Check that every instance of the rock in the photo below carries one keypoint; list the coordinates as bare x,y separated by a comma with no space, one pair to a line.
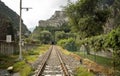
4,72
10,69
56,20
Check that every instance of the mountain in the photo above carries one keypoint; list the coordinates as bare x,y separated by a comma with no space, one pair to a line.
10,18
56,20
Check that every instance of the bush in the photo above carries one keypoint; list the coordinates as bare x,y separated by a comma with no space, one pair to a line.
68,44
113,42
23,68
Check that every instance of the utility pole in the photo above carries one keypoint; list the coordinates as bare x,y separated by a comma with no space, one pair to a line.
20,33
20,41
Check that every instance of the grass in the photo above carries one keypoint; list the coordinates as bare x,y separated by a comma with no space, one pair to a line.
26,71
32,55
107,62
21,66
6,61
81,71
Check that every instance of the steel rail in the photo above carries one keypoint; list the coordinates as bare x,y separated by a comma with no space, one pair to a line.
65,70
43,63
45,59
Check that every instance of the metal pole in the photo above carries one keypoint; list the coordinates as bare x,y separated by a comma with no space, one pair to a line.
20,42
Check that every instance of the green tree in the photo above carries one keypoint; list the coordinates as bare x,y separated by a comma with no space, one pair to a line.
45,37
86,18
60,35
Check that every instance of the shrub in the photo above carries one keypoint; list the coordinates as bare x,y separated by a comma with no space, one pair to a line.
68,44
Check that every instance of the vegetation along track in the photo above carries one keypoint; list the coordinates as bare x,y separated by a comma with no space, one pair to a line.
54,63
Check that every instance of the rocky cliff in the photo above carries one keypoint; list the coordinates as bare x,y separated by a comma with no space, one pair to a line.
56,20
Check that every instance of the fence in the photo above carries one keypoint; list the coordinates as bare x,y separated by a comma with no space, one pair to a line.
11,48
102,53
8,48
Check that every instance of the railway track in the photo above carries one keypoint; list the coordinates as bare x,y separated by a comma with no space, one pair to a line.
63,65
53,64
43,63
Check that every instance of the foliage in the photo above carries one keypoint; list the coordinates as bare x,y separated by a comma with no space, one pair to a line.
6,61
86,18
104,42
62,35
68,44
65,27
45,37
96,42
62,30
31,41
23,68
113,42
26,71
81,71
17,66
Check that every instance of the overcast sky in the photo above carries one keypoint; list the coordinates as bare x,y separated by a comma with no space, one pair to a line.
42,9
